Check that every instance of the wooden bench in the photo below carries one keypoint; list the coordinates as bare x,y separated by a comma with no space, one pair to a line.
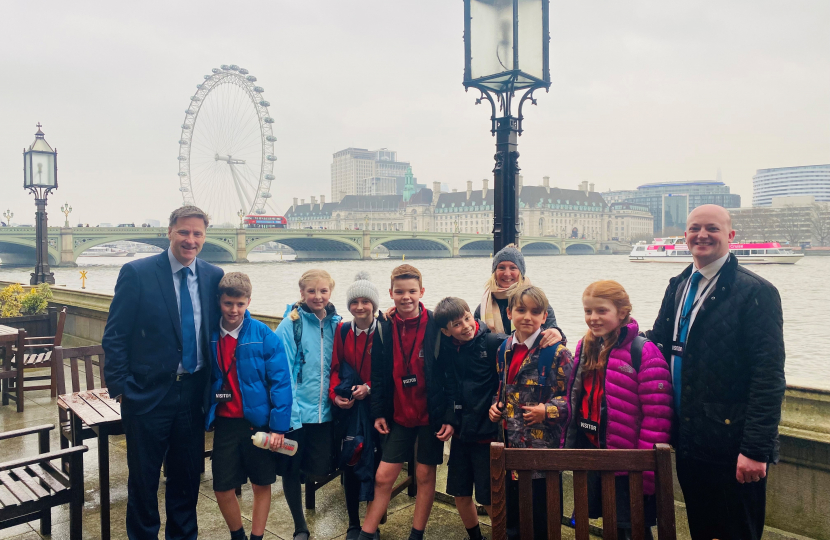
11,346
30,487
607,462
38,354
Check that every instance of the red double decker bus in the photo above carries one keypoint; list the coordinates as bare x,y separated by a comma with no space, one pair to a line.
265,222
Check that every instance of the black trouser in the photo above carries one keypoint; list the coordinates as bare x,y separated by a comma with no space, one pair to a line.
717,505
175,428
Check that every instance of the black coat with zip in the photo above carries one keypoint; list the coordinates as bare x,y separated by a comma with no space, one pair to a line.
440,383
475,372
733,367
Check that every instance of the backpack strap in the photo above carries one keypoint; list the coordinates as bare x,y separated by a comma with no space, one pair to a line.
298,341
637,345
546,358
344,332
437,344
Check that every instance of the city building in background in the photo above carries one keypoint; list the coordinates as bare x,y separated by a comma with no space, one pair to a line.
357,171
809,180
671,202
543,211
794,221
619,195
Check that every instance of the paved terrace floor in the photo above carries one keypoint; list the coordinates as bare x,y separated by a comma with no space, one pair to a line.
328,521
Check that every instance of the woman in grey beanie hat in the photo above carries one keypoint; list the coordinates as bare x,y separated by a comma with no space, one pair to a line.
508,275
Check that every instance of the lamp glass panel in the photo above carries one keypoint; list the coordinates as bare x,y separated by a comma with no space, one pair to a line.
27,170
530,38
491,37
43,169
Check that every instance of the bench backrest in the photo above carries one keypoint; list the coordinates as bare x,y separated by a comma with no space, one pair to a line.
607,462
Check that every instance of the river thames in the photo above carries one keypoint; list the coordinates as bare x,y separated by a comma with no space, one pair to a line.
804,289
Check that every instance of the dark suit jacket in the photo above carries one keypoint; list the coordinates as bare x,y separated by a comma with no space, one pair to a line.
143,335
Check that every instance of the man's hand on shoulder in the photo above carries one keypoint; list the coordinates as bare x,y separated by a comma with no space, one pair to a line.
750,470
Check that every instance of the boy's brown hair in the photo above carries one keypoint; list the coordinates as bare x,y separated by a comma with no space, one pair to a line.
236,285
536,294
406,271
450,309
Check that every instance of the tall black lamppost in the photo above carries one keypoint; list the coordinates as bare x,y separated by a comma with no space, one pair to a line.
40,176
495,33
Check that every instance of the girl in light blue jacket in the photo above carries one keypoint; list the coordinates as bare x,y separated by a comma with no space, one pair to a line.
307,334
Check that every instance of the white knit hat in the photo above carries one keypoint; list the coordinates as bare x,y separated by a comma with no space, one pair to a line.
362,288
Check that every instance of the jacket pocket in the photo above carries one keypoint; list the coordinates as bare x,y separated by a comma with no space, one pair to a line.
723,427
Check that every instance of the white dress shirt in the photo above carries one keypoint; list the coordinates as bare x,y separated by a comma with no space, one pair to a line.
358,331
233,333
709,279
529,342
193,288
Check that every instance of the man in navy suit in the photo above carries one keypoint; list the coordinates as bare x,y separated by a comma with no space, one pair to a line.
156,345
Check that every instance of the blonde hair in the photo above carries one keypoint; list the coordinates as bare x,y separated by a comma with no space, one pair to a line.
235,284
533,292
310,276
596,352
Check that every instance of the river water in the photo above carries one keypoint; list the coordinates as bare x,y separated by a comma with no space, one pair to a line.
804,291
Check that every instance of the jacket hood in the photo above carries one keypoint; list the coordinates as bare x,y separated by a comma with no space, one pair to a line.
302,308
628,333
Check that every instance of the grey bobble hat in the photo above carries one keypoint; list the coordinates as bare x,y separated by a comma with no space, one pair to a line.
362,288
510,253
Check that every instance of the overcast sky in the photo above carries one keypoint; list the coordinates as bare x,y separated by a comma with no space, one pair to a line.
643,91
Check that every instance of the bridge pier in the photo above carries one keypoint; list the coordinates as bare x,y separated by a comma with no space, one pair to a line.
67,248
367,244
241,246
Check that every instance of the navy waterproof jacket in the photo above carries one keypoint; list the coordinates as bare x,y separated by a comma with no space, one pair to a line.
357,433
264,377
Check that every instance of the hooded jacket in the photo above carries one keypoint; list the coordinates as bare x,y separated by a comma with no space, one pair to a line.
264,377
311,400
637,406
474,369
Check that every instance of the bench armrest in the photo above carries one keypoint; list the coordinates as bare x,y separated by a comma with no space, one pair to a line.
40,458
26,431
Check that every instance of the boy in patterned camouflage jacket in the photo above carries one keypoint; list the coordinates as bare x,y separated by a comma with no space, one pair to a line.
532,400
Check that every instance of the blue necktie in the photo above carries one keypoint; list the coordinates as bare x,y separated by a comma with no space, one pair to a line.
682,332
189,362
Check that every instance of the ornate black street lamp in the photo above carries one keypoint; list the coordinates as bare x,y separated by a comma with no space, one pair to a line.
40,177
495,33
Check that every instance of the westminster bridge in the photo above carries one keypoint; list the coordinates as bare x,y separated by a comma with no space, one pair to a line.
66,244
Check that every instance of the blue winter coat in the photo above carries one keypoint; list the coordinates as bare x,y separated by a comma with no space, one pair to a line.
311,395
264,377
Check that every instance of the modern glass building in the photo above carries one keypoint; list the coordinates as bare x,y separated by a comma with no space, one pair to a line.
671,202
790,182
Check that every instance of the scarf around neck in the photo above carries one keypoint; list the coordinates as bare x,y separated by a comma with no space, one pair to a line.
490,309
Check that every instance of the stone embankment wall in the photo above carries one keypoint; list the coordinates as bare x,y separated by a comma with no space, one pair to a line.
798,494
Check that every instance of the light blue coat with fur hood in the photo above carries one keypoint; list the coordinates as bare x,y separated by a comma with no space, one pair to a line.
311,399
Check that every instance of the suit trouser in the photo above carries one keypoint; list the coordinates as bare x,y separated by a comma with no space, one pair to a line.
717,505
175,429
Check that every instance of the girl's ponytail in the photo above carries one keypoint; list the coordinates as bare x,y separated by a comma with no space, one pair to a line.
597,350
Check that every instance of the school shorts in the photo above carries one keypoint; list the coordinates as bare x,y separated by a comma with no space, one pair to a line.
235,459
399,445
315,451
468,467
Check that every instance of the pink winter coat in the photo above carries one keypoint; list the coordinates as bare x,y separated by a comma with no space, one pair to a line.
637,406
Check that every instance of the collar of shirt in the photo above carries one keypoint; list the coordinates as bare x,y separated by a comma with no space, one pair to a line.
529,342
176,266
358,331
233,333
711,270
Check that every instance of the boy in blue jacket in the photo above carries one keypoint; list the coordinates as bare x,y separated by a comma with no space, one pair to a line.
250,391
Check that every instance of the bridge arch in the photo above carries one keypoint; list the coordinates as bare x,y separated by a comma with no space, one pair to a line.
307,246
424,246
540,249
21,252
580,249
214,249
475,248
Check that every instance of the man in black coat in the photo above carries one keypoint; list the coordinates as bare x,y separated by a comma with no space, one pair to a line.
720,327
156,345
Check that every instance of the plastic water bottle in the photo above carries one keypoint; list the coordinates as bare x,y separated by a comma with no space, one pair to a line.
260,439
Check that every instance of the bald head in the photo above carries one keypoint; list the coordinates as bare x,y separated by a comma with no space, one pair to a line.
708,233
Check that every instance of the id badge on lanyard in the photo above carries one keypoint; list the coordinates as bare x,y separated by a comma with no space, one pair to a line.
225,393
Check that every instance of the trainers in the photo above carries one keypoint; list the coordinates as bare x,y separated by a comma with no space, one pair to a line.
352,533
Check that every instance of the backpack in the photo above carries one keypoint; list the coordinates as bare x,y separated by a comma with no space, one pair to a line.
637,345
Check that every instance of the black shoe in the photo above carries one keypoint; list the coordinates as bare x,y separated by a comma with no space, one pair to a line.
302,535
352,533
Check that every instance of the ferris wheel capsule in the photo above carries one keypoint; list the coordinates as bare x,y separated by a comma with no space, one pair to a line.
182,142
268,120
270,138
234,67
182,174
269,157
182,158
216,70
185,127
207,77
259,89
225,67
269,177
190,112
265,195
260,211
264,103
243,71
250,78
184,189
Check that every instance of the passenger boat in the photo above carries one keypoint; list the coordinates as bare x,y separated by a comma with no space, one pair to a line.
106,251
674,250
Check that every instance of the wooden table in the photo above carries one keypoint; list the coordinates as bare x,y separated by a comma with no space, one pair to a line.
98,412
12,336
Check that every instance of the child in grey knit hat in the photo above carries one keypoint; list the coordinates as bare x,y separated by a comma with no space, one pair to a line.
362,288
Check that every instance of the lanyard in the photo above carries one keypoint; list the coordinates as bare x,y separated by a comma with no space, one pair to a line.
365,346
407,361
225,372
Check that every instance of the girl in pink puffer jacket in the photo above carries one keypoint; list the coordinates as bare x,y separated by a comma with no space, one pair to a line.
613,404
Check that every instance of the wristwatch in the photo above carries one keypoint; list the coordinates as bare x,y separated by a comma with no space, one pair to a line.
368,389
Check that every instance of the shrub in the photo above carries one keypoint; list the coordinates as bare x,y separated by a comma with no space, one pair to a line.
36,300
10,300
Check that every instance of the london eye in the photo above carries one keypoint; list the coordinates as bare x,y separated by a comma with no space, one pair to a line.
226,150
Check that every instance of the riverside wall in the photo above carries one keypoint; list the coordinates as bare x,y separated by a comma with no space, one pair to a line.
798,492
